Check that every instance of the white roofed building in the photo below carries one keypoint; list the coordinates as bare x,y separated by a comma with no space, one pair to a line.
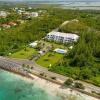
20,11
33,44
3,14
62,37
34,14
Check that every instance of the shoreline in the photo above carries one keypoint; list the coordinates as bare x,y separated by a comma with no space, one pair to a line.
16,72
53,87
60,90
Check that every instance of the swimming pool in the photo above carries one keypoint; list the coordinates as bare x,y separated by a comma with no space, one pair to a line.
60,51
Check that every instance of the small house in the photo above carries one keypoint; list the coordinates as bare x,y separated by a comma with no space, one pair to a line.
5,26
3,14
12,23
34,44
34,14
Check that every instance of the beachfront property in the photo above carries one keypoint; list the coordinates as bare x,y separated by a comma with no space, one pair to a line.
62,37
3,14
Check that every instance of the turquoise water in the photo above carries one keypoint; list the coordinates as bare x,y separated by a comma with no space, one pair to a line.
14,87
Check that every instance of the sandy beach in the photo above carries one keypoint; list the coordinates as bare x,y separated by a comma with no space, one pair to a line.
65,93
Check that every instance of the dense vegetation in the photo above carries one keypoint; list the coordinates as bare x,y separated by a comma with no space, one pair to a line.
34,29
11,17
83,61
15,38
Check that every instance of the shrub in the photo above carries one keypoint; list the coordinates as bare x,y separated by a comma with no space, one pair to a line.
23,65
45,75
68,82
42,74
94,92
15,46
32,67
50,55
46,59
79,85
21,53
28,66
54,78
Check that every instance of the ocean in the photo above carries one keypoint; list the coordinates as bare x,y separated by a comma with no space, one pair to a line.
14,87
67,2
71,4
81,5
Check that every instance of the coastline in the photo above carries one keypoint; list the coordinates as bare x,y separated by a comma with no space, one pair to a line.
59,90
54,88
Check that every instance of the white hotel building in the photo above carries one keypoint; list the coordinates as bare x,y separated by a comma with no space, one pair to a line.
62,37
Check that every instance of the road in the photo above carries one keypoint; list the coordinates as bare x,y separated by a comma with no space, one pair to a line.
19,62
64,23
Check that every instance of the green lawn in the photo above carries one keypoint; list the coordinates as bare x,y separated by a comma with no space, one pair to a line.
24,54
57,45
95,80
49,58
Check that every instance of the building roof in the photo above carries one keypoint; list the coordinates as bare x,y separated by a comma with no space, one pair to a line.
4,25
35,14
3,13
70,35
33,44
12,23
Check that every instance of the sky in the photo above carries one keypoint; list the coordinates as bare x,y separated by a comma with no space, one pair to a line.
52,0
49,0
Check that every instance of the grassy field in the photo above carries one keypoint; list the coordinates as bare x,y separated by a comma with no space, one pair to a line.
24,54
49,58
95,80
57,45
